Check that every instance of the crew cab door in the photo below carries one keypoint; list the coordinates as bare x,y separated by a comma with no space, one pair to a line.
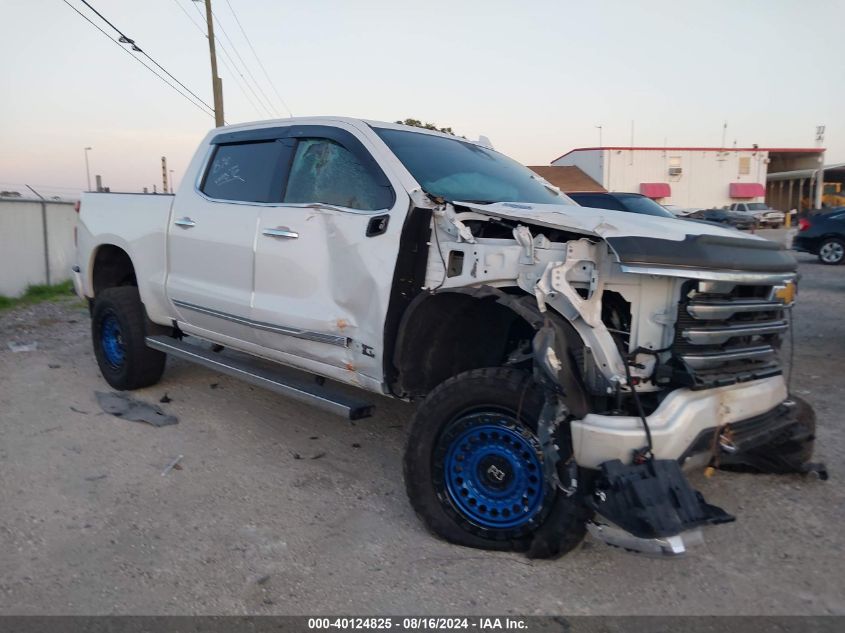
324,258
212,236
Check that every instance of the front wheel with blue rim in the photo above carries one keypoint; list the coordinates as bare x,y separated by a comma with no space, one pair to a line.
474,468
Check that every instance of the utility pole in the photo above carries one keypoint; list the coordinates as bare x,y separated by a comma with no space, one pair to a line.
216,82
164,174
817,203
88,171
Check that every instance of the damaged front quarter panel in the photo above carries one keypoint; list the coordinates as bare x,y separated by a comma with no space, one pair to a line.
566,275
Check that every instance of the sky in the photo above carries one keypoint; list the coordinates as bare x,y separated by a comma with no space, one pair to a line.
536,77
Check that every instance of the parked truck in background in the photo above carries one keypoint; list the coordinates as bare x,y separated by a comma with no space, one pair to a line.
566,361
761,212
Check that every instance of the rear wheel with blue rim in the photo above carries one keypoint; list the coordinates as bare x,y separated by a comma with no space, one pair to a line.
474,467
119,326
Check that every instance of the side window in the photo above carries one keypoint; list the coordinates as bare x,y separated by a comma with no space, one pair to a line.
325,171
247,172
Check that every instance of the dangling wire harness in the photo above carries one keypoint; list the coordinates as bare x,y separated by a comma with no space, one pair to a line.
645,453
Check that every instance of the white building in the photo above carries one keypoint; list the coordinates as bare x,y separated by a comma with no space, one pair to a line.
700,177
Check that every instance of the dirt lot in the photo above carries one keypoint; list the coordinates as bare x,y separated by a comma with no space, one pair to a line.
88,525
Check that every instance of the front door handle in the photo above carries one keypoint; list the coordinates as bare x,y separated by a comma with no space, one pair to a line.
185,223
281,231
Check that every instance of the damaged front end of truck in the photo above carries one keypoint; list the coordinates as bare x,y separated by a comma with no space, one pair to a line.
656,344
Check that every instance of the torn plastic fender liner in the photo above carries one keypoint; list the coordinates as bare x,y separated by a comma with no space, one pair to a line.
553,346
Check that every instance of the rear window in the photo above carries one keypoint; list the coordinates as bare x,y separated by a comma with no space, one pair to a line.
597,201
644,206
247,172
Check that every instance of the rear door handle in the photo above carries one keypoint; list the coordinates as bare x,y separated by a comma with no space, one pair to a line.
185,223
281,231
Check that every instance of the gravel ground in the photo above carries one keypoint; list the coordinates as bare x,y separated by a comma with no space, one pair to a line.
88,525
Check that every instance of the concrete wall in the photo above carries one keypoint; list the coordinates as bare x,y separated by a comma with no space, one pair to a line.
23,260
704,181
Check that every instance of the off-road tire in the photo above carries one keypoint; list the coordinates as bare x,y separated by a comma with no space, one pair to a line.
562,525
141,366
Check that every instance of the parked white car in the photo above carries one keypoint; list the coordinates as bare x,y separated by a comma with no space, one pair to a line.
566,360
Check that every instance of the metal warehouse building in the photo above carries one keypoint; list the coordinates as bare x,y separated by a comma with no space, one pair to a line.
691,177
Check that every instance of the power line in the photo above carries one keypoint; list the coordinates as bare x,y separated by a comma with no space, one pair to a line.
257,58
127,40
140,61
235,65
188,15
271,110
246,67
222,59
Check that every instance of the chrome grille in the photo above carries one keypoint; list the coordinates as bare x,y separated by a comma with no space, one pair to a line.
727,333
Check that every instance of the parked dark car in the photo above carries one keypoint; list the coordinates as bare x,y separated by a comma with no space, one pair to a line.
823,235
725,217
630,202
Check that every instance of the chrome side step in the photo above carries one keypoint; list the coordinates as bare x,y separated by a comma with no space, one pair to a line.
283,380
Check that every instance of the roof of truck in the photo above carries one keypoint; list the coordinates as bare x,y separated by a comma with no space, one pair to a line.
317,120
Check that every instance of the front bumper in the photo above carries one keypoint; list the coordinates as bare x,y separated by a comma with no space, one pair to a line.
676,425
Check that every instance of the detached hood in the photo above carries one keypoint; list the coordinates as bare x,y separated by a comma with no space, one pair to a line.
647,240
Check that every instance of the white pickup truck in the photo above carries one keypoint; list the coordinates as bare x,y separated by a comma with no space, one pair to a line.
760,211
567,361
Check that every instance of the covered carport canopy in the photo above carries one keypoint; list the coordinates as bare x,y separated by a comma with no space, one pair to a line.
797,188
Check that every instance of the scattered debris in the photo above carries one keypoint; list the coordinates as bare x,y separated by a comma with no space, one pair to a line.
75,410
172,465
263,579
95,477
356,445
165,398
51,429
217,348
214,385
53,366
296,455
123,406
318,455
18,348
314,437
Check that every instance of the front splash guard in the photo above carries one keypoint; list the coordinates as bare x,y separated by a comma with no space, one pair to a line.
652,500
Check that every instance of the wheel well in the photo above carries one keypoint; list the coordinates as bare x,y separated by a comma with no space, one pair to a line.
112,267
445,334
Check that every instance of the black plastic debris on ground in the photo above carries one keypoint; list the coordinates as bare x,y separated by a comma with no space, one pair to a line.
124,406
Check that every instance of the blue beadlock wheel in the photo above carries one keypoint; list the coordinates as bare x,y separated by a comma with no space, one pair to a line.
492,471
111,341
